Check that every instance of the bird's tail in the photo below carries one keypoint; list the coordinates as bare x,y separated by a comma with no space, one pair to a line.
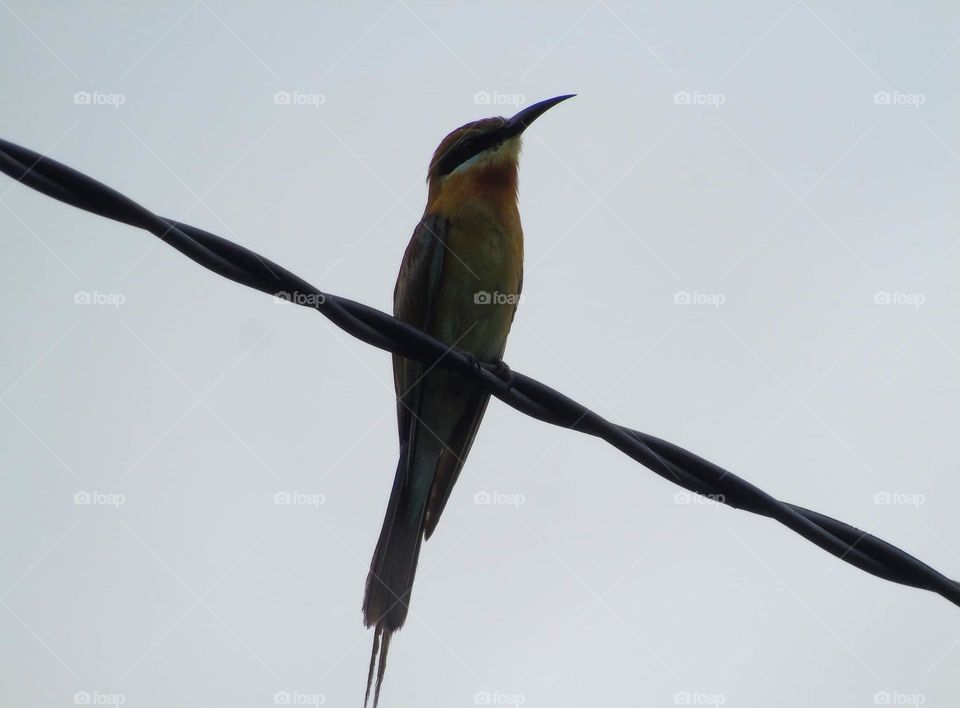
378,660
394,564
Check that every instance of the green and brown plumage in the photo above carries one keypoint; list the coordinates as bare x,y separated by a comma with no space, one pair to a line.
460,281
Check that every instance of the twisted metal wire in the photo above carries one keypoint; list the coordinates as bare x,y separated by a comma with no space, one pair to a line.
517,390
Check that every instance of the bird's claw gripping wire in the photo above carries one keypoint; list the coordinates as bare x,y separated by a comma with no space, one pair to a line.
497,367
501,370
474,360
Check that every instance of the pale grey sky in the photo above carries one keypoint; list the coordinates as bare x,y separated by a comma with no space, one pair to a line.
788,168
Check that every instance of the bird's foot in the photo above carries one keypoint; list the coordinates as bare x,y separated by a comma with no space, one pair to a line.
503,372
475,362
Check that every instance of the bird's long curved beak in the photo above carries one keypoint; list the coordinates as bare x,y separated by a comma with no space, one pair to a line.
522,120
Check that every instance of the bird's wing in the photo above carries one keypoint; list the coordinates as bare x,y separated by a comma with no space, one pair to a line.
414,303
395,557
474,405
451,406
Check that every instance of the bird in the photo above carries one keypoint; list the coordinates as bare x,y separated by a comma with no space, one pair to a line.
460,281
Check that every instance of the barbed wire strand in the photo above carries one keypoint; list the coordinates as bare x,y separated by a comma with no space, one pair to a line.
525,394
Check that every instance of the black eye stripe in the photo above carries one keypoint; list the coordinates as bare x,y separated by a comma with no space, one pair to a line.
463,150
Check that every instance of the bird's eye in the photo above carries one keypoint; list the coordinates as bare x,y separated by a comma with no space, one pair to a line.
462,150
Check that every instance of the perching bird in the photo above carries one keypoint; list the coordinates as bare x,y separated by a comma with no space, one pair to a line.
460,281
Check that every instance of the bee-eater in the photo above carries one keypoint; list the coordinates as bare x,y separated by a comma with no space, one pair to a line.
459,281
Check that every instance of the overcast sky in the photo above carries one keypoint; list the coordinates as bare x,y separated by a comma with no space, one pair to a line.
741,236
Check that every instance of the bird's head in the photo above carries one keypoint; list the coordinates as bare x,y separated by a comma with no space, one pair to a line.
484,151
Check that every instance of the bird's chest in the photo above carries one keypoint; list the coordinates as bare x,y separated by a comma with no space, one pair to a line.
483,265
